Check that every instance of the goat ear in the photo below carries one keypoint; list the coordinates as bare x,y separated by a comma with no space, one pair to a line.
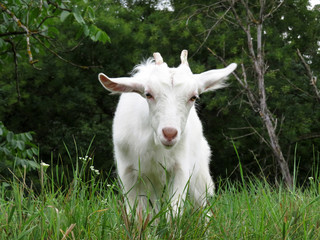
214,79
120,85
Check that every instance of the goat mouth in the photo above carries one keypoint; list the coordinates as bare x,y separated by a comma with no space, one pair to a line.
168,144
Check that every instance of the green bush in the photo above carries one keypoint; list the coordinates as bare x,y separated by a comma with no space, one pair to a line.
17,150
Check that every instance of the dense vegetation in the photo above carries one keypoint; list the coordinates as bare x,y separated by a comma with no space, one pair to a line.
58,98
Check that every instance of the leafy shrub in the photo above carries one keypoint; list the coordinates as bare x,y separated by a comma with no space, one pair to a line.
17,150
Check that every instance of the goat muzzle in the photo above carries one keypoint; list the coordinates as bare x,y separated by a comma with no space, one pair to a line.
169,133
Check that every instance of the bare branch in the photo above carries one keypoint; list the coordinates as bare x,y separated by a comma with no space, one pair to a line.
230,103
240,23
313,79
244,84
242,136
210,30
313,83
240,128
308,136
297,88
253,131
261,14
250,16
274,9
307,67
261,137
252,99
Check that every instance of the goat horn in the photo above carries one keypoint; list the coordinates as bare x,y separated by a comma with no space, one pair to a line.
184,57
158,58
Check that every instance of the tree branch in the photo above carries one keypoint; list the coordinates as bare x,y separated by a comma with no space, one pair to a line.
244,84
308,136
61,58
274,9
43,20
240,23
306,66
57,6
12,33
28,32
210,30
313,79
15,60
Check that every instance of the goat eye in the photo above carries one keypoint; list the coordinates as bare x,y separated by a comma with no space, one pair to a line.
192,99
149,96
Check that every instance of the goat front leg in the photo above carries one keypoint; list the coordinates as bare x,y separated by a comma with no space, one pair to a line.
179,189
134,190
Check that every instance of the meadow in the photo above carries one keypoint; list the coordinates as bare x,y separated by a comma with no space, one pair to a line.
90,206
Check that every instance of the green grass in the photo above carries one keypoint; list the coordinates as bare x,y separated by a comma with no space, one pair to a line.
88,207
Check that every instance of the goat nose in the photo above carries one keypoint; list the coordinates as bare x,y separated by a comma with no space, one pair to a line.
169,133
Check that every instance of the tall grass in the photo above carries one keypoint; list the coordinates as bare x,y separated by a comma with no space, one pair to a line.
89,206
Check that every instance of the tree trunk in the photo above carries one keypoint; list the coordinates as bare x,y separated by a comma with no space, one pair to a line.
257,57
265,114
276,149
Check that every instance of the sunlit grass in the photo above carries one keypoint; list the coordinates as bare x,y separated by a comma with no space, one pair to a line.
89,206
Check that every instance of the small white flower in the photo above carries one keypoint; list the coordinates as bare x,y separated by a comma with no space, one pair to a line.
85,158
44,165
94,170
310,178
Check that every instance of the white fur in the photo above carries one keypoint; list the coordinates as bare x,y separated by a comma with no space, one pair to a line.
147,160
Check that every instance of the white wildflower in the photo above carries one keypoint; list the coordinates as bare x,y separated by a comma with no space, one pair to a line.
96,171
44,166
85,158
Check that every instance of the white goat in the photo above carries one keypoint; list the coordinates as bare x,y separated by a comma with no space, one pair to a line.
157,133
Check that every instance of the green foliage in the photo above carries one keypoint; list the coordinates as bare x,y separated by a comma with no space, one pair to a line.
17,150
29,26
